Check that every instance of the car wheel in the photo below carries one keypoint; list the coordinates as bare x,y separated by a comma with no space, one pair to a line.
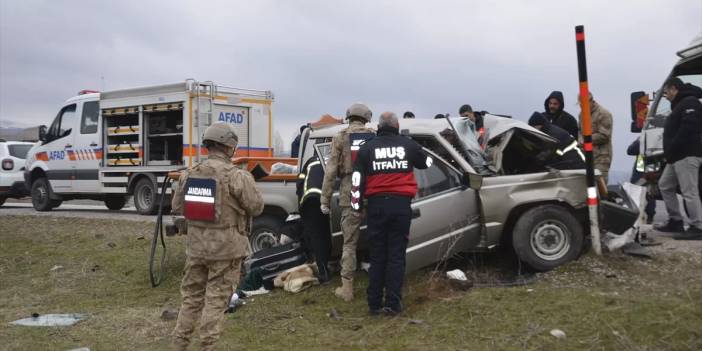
145,198
41,195
265,232
115,202
546,237
2,200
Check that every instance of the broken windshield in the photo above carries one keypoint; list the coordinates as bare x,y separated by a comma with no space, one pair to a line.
462,135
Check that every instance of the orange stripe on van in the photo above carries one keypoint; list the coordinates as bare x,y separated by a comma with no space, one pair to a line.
42,156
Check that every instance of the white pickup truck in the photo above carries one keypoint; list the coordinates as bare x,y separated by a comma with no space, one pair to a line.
516,200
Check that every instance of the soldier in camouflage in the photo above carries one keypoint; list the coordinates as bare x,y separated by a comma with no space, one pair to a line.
218,200
340,165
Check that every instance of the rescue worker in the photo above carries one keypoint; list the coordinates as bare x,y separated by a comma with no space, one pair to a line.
344,147
218,200
315,223
637,177
295,147
601,137
477,119
568,155
383,174
554,106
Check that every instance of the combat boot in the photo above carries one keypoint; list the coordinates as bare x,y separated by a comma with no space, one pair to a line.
345,291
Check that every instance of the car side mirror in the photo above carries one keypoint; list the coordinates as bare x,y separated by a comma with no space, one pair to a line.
42,133
472,180
639,110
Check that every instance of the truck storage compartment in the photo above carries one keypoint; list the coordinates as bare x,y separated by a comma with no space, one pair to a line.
164,134
123,136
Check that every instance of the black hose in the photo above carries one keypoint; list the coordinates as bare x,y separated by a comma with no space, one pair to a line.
156,279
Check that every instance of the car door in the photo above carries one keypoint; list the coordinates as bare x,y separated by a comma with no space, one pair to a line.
445,215
59,150
87,149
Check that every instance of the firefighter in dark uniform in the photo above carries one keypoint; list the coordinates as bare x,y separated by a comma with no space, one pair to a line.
568,154
315,223
383,174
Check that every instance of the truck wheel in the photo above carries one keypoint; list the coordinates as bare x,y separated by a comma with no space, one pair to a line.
145,198
115,202
265,232
546,237
41,195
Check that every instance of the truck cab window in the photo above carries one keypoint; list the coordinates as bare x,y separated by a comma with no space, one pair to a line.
663,107
89,119
436,179
63,123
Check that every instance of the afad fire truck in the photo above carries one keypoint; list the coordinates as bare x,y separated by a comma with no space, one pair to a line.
108,146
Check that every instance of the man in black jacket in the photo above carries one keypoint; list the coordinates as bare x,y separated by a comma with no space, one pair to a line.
554,106
682,148
383,173
568,155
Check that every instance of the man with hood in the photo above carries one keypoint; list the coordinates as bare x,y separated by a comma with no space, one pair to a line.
682,148
557,116
568,155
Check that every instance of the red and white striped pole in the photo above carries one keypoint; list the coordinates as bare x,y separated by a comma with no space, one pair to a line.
586,124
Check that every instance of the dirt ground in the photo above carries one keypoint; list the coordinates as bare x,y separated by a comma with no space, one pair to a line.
98,267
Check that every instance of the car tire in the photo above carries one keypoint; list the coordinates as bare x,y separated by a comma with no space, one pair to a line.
115,202
145,197
41,195
546,237
265,232
2,200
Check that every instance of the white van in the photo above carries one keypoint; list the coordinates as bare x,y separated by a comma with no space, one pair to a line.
110,145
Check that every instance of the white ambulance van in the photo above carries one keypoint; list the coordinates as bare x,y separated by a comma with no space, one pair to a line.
108,146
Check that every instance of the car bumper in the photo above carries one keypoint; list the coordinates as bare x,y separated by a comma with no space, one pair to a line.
15,190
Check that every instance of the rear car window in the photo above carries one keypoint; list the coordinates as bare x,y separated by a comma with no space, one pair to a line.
19,150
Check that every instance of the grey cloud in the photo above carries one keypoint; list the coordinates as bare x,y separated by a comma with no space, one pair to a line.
320,56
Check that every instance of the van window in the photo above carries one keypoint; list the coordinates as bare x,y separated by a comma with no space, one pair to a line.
89,120
63,123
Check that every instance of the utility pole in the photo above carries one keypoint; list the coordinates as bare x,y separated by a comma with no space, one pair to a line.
586,124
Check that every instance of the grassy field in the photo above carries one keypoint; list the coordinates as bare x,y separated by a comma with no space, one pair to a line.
610,303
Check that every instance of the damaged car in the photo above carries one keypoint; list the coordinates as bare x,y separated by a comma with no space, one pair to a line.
476,197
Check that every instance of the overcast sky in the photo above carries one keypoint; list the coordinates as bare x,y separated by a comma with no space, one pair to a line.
320,56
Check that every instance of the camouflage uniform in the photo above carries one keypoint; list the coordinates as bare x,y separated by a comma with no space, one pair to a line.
340,165
601,138
214,249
